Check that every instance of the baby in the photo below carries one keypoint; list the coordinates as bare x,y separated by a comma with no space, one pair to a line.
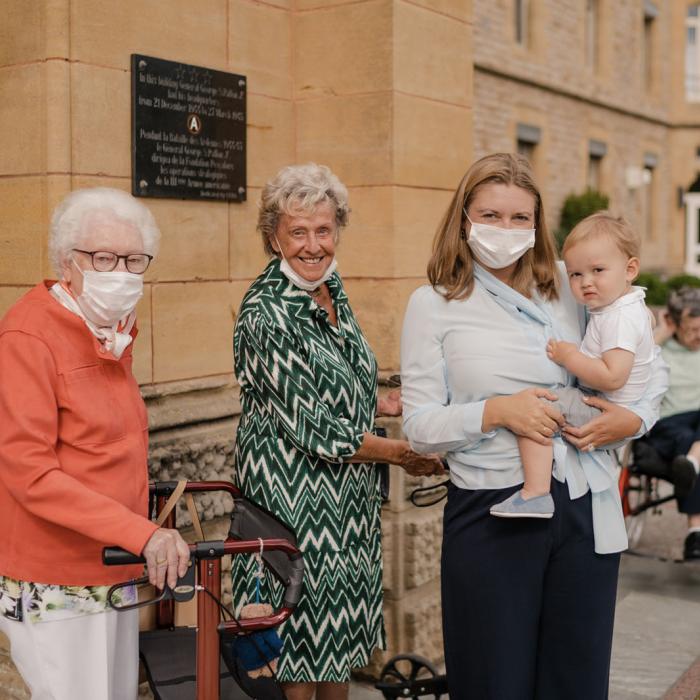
601,255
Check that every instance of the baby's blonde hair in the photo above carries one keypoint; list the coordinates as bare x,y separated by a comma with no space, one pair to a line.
603,223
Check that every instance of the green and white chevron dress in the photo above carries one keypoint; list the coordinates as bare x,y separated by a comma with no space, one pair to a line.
308,393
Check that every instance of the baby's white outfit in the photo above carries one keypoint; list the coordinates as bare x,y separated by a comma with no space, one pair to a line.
625,324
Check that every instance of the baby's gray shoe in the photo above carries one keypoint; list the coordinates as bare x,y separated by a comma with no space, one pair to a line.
517,507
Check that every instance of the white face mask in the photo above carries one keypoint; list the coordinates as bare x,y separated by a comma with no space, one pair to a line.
108,297
297,280
499,247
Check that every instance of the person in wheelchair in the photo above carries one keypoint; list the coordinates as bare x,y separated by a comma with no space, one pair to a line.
671,449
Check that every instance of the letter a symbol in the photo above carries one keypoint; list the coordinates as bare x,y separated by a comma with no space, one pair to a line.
194,124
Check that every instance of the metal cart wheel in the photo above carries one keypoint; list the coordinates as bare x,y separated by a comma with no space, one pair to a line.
402,676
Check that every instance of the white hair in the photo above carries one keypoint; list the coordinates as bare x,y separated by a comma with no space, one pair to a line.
681,300
300,187
67,221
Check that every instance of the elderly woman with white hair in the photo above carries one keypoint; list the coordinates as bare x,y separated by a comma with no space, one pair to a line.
73,449
305,449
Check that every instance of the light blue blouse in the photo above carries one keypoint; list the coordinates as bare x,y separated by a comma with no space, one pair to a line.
456,354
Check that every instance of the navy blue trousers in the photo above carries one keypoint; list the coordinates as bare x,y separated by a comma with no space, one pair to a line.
673,436
528,606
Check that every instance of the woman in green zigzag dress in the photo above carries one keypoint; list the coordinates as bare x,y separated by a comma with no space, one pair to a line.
304,447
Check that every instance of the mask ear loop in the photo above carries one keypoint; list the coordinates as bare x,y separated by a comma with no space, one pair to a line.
67,286
277,240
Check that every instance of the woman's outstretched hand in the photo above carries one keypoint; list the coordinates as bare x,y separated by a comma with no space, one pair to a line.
615,423
399,452
524,414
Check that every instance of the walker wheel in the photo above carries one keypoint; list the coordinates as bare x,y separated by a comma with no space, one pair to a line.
403,675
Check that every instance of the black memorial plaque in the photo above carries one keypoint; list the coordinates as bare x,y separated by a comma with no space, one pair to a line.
188,131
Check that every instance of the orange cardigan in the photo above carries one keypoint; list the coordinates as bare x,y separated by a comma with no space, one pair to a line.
73,449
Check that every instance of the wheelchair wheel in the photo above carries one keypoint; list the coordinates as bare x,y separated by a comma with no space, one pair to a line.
635,490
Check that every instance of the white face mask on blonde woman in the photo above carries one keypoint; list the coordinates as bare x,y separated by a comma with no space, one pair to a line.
499,247
501,224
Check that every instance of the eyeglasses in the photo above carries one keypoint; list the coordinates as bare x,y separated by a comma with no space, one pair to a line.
106,261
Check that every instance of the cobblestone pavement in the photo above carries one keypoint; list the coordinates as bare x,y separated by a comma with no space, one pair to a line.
656,649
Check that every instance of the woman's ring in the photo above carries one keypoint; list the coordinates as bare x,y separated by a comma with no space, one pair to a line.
590,448
161,561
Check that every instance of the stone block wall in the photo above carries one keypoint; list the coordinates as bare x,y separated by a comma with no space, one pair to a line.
380,90
554,52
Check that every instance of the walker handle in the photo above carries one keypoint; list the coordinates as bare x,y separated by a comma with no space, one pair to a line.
116,556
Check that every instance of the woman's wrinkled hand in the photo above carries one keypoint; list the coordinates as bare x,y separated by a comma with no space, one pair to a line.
524,414
615,423
167,557
421,465
390,405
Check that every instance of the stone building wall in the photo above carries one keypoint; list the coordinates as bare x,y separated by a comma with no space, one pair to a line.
352,84
554,52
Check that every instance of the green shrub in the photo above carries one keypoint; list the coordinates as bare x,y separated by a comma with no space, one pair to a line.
657,289
577,207
678,281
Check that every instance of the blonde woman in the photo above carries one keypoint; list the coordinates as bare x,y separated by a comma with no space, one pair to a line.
528,605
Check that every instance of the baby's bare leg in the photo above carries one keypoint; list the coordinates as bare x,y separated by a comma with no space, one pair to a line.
537,465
